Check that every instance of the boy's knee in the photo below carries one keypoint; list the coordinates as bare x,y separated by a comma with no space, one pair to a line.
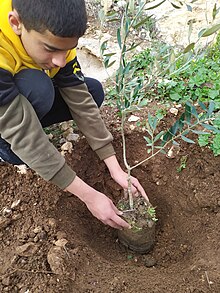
96,90
38,88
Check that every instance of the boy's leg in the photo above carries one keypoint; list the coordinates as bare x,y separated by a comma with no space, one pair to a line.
38,88
48,104
96,90
60,111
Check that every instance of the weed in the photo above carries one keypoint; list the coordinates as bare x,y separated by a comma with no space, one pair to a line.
182,166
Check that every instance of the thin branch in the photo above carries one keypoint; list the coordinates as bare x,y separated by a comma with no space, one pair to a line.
169,141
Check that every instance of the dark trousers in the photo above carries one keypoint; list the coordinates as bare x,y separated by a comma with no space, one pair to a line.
47,102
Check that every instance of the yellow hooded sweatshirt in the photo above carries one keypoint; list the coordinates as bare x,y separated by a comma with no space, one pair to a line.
13,56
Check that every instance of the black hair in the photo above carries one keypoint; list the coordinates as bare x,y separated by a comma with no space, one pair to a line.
63,18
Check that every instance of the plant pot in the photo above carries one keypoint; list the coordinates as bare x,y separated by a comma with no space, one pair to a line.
141,237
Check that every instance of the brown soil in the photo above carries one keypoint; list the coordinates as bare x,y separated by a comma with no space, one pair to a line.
34,256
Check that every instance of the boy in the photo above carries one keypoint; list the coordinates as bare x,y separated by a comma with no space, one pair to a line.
40,84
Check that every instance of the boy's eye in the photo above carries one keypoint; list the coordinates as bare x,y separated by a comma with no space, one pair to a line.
49,50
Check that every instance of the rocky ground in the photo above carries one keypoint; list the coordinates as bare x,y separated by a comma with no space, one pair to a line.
49,241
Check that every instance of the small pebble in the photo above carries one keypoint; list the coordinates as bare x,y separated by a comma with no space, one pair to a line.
149,261
6,281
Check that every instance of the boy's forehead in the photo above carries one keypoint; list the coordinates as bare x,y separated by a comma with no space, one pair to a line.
55,42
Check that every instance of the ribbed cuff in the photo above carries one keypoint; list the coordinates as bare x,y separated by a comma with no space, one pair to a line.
63,177
106,151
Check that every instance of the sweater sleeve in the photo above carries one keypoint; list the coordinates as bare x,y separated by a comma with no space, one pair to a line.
87,117
20,127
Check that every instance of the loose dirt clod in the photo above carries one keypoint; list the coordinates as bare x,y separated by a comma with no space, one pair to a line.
56,259
4,222
28,249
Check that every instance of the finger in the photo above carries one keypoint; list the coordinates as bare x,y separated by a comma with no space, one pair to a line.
140,189
116,210
113,225
134,191
120,222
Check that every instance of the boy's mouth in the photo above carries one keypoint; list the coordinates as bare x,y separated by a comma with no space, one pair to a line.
48,67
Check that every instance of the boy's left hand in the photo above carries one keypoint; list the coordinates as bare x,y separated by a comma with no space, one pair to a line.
121,178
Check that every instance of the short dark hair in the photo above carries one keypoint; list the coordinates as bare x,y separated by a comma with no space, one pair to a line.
63,18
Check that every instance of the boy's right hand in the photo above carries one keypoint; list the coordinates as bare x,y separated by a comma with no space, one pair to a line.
98,204
103,209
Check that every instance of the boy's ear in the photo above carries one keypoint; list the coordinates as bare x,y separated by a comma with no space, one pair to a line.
15,22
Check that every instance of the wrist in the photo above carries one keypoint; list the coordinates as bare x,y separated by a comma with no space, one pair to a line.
80,189
113,166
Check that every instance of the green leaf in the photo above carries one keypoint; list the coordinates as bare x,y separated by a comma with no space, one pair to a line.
210,127
113,19
211,108
158,136
216,122
136,26
109,54
150,120
186,139
203,139
127,26
143,103
175,6
109,65
202,105
201,32
213,94
188,112
181,121
155,123
189,48
119,37
163,151
185,132
167,137
149,131
103,46
215,11
193,111
175,97
200,132
215,146
175,143
133,46
173,129
211,30
154,6
148,140
189,7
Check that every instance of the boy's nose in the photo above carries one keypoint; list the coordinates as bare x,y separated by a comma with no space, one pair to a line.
59,59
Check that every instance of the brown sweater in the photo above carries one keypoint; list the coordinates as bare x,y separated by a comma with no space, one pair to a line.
20,127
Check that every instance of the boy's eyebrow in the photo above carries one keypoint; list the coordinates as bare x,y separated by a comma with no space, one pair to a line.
57,49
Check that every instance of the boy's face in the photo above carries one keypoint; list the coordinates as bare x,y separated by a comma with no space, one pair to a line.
46,50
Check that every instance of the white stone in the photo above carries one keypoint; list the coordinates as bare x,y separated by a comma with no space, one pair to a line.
133,118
